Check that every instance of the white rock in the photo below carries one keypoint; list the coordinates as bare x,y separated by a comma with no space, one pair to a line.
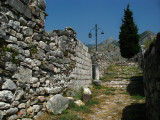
22,105
9,85
36,108
6,96
34,80
4,105
23,74
79,103
87,91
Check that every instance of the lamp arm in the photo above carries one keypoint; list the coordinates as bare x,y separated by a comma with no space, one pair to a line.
92,29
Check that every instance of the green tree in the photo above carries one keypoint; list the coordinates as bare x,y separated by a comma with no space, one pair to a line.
128,37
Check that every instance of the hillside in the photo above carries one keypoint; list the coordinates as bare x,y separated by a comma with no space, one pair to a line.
110,40
146,38
109,48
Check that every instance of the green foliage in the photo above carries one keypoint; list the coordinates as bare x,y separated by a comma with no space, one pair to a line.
65,112
4,48
11,50
138,97
97,87
110,68
69,117
83,109
64,116
92,102
148,43
15,61
110,91
42,62
33,50
79,94
129,38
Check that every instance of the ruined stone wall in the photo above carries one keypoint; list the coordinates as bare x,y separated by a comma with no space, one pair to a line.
34,64
83,69
152,79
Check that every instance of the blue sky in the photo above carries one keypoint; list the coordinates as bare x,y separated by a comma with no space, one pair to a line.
82,15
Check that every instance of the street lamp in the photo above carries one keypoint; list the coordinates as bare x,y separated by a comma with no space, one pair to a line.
96,29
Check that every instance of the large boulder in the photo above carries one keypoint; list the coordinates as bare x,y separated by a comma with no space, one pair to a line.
57,104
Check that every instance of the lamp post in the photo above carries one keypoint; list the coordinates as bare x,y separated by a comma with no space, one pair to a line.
96,29
95,58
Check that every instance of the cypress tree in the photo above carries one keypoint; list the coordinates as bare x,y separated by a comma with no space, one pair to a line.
129,38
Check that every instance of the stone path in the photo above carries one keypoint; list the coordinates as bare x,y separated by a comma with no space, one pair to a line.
121,96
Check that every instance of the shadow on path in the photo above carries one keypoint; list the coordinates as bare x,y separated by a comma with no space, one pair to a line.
135,87
134,112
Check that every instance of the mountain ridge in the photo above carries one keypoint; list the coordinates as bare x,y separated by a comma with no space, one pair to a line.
144,37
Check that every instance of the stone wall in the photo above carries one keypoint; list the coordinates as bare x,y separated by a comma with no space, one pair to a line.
34,64
83,69
152,79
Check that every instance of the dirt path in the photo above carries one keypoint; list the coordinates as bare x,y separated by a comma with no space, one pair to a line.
121,96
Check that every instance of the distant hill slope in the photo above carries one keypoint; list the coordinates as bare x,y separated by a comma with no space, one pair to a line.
146,37
111,51
110,40
110,47
90,45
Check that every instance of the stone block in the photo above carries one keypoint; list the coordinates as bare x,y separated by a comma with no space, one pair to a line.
31,24
25,1
9,85
23,74
20,7
27,31
11,15
4,106
12,111
57,104
23,21
3,18
6,96
13,117
19,94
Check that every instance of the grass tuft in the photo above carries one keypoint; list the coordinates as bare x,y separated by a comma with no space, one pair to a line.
110,91
69,117
97,87
138,97
79,94
92,102
83,109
